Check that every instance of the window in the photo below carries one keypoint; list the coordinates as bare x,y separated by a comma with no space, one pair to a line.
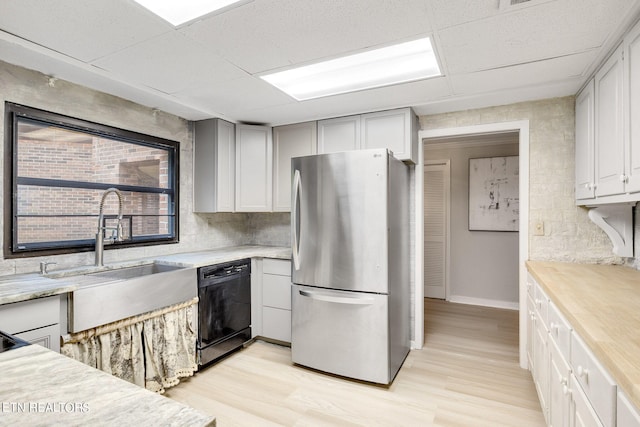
56,171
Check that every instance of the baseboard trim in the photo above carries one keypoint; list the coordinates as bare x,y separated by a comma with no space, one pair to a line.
484,302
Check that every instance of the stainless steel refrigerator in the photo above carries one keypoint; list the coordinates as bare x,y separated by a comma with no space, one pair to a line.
350,267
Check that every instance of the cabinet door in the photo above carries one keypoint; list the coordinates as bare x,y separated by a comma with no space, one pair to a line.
288,142
584,143
632,108
214,166
627,414
531,327
609,137
254,163
392,129
559,401
339,134
582,413
541,362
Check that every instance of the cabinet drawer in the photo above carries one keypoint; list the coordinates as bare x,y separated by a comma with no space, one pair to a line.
542,305
26,315
47,337
531,284
560,331
583,414
276,324
628,414
276,291
276,266
595,381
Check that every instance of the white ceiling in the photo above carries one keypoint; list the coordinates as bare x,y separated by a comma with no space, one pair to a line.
489,55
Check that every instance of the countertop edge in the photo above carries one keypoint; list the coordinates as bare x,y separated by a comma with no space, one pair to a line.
28,286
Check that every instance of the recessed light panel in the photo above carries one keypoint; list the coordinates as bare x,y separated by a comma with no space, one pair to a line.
400,63
178,12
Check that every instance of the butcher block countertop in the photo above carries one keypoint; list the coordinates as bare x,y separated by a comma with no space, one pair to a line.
602,303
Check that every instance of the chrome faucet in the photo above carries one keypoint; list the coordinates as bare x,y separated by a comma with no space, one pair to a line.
116,232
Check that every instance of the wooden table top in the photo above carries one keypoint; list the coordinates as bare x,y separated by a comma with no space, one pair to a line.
602,303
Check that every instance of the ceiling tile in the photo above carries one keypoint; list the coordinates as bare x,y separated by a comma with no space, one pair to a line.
270,34
531,74
170,63
552,29
235,96
82,29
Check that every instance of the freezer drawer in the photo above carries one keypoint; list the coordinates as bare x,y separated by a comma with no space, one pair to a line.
341,332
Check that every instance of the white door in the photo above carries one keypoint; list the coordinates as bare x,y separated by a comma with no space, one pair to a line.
609,135
289,141
632,108
254,163
436,224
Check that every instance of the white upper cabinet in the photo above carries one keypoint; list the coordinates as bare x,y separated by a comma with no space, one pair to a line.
339,134
584,143
609,136
632,108
254,168
214,166
610,171
396,130
288,142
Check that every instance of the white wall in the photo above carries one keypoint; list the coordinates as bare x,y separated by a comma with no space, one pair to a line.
483,264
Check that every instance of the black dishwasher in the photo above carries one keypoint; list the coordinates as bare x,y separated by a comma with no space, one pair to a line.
224,309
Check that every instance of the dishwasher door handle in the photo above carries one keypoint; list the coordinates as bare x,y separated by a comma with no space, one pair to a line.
337,299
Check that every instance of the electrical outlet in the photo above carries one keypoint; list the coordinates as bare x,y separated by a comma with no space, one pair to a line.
539,229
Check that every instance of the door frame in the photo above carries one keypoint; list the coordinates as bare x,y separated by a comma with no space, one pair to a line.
447,232
522,127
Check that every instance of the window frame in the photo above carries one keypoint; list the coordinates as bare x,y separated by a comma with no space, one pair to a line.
15,112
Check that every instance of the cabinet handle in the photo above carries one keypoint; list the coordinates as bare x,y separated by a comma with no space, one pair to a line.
582,372
624,178
566,390
554,326
588,186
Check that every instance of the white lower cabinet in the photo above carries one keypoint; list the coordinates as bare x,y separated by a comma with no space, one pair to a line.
541,362
559,392
36,321
582,412
598,386
573,387
276,300
627,414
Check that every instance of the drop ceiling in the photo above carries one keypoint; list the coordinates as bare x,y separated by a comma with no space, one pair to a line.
490,53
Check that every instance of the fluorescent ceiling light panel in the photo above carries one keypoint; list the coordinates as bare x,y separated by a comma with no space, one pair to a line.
404,62
178,12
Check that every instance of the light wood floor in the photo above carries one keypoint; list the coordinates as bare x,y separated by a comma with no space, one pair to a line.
467,374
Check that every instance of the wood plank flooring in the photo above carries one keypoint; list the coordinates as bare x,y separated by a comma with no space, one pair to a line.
467,374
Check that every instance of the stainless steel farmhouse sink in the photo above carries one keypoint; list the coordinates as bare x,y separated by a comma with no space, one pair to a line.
112,294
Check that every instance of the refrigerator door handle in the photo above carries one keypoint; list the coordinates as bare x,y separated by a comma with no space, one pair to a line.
323,296
297,188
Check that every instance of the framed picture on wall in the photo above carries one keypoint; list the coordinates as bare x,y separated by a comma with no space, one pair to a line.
494,204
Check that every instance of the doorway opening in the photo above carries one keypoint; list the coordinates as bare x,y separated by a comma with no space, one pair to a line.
521,129
470,219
